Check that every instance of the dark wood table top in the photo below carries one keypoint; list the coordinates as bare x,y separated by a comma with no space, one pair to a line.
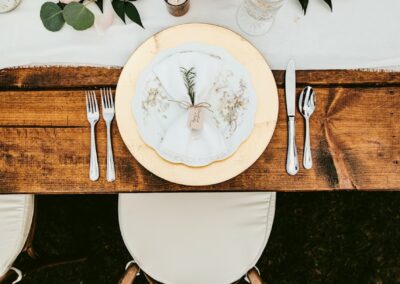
44,136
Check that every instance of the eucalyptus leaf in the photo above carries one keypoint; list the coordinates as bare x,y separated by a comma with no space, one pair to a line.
78,16
62,5
133,13
119,8
51,16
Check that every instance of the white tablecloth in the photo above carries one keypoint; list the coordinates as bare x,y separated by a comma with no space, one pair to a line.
358,34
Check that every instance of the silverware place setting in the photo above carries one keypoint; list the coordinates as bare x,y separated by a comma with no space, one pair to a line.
108,111
307,105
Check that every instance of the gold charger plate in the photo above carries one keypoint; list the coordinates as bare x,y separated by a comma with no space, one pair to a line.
263,83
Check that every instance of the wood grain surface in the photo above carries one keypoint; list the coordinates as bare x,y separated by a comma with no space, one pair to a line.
44,136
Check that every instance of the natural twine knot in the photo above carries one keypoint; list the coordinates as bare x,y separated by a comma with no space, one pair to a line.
186,105
195,113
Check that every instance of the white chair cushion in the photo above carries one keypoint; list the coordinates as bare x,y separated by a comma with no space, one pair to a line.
197,238
16,212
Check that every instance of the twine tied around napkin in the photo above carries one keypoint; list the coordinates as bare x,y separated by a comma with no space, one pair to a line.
195,113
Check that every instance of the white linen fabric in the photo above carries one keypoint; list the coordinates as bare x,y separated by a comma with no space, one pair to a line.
197,238
358,34
16,212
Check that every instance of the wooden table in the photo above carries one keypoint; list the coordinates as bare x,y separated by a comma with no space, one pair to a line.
44,136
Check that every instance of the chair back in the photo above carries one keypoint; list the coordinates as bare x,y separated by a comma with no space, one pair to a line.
197,238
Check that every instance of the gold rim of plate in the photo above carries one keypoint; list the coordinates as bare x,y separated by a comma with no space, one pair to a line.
263,82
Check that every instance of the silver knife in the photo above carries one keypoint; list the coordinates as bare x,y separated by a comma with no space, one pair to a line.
292,163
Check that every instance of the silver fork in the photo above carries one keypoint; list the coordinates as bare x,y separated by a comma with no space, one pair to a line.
307,103
92,111
107,104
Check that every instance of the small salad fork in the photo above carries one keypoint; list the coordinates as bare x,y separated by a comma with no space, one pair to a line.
307,106
92,111
107,104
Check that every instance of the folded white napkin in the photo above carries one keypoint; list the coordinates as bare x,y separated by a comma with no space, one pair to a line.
223,92
180,142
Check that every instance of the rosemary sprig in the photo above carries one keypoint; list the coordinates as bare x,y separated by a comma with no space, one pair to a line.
188,77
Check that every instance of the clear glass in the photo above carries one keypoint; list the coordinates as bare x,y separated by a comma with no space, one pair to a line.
255,17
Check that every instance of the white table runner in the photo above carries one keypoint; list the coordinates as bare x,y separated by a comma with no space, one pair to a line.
358,34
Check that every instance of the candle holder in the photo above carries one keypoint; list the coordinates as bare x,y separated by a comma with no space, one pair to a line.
8,5
177,8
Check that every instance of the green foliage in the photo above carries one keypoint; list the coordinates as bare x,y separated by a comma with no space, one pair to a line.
188,77
125,7
119,8
78,16
54,15
51,16
99,4
304,4
133,13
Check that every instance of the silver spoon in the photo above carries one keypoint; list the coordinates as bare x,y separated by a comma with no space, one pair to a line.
307,106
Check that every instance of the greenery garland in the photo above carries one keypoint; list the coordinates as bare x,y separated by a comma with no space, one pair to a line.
75,13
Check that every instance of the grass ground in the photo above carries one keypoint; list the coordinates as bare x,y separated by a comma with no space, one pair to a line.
338,237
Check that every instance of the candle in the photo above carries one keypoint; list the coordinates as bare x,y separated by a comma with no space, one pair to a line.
176,2
177,8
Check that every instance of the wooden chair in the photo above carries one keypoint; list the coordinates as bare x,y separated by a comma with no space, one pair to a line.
16,214
196,238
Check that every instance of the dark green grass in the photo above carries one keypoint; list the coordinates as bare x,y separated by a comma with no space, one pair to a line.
346,237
